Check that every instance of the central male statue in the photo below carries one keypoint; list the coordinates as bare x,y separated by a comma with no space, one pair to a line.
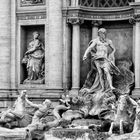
102,54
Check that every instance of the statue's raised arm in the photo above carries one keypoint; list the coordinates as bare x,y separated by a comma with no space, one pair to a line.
91,46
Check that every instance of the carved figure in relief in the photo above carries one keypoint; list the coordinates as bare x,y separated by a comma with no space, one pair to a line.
17,112
31,1
42,109
64,105
102,53
34,59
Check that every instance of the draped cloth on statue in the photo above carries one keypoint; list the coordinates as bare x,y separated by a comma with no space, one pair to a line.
102,66
92,82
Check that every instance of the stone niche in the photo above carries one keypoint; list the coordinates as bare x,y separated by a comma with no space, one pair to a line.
85,38
26,37
121,34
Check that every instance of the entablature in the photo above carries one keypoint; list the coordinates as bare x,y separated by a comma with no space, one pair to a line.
104,14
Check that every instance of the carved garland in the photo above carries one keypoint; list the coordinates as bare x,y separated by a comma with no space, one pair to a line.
32,2
134,19
75,21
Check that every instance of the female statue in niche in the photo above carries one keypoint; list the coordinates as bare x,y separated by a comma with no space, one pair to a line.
102,57
34,59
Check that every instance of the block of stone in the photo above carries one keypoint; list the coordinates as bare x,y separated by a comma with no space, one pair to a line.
86,122
70,133
128,136
12,134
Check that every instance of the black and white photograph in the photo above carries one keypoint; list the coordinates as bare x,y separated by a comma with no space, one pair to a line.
70,70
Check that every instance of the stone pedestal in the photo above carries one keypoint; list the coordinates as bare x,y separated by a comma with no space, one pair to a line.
12,134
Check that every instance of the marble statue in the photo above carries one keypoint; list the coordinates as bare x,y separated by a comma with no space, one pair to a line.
34,60
102,105
137,117
42,109
64,105
124,113
102,53
18,109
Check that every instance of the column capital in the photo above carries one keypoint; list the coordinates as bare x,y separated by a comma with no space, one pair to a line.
75,21
134,19
96,23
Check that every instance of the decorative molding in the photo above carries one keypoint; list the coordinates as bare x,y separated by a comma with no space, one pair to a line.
99,14
96,23
31,2
134,19
31,15
75,21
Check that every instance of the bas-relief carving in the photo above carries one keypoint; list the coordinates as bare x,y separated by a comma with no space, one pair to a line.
32,2
31,17
34,60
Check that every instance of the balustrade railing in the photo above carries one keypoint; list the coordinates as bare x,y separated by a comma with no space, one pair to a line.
100,3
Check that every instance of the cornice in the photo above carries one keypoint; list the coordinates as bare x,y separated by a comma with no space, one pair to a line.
105,14
22,15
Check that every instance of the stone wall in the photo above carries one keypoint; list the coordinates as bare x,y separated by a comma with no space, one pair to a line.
121,34
5,44
86,36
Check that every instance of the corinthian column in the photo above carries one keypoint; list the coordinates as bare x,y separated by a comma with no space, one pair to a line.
95,25
136,27
75,55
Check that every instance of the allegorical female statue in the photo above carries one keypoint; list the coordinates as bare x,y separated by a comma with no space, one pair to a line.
102,55
34,59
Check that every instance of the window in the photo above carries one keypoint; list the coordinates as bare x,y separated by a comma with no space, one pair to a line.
105,3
